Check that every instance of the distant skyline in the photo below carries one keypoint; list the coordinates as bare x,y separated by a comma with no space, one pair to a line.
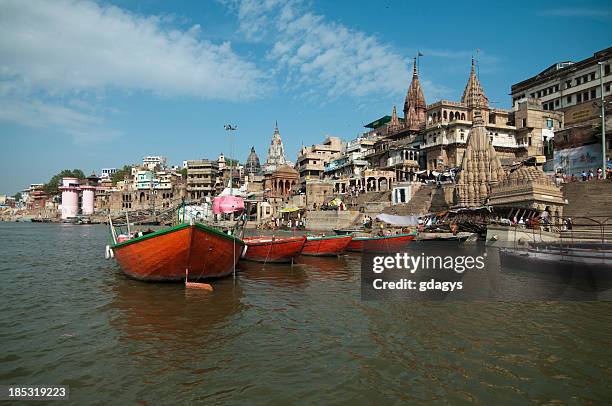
93,84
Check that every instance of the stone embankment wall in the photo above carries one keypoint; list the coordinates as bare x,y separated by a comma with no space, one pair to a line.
328,220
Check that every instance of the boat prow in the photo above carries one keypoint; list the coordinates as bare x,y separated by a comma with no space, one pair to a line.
327,245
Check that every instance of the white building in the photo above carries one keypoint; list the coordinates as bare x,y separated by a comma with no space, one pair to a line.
154,161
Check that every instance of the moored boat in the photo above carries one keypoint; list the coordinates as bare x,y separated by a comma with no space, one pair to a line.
327,245
273,249
167,254
390,243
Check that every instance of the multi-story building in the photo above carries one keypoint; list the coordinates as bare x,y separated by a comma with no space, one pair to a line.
536,127
202,178
146,180
107,173
448,125
154,162
574,88
311,160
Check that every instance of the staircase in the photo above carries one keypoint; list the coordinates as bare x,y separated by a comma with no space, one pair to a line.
591,199
590,207
418,204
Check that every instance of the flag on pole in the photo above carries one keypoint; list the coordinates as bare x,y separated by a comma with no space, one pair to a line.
420,54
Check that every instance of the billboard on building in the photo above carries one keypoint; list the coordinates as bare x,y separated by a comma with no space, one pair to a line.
572,161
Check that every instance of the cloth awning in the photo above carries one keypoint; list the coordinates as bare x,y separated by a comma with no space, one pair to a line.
290,209
402,221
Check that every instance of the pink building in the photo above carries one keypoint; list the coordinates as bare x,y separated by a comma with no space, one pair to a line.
70,197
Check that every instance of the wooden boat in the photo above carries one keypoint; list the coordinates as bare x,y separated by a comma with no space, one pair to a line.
166,255
326,246
345,231
273,249
390,243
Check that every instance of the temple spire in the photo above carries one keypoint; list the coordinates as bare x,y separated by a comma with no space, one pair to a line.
414,105
473,94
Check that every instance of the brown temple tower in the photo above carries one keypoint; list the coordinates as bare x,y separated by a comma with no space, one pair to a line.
473,94
481,168
414,105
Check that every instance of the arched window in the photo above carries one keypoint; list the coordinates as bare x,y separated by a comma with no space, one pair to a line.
463,116
451,116
444,115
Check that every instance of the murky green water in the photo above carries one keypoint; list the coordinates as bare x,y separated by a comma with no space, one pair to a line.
278,335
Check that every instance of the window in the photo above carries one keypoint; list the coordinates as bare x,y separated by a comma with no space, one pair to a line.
524,122
585,96
568,84
569,98
556,102
593,94
577,81
607,69
532,95
592,76
578,98
608,87
556,88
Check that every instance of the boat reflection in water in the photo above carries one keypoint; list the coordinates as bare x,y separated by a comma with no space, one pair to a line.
584,269
330,268
179,317
273,274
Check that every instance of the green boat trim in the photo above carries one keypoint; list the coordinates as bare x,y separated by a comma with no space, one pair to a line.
177,228
384,237
327,237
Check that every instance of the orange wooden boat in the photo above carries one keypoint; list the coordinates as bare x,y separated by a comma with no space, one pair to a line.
326,246
167,255
386,244
273,249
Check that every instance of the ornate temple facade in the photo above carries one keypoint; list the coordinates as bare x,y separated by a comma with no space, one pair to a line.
445,137
526,192
480,167
252,166
414,106
276,153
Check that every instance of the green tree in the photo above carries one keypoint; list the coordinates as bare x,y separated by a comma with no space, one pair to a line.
231,162
121,174
17,196
52,187
184,173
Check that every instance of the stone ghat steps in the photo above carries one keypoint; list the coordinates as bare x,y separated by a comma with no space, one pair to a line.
587,234
588,199
419,204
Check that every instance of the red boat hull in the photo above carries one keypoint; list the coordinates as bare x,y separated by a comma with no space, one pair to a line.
326,246
166,254
273,249
388,244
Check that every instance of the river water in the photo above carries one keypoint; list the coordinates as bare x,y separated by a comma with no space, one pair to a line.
277,335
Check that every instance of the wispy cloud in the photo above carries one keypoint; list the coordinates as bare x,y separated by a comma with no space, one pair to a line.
64,46
59,58
314,56
579,12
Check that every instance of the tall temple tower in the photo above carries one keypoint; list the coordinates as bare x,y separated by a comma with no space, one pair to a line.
276,152
253,166
473,94
481,168
414,105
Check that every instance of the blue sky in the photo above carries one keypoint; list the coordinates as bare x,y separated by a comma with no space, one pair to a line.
87,84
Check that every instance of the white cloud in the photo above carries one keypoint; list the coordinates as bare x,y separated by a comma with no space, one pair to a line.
318,55
65,46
